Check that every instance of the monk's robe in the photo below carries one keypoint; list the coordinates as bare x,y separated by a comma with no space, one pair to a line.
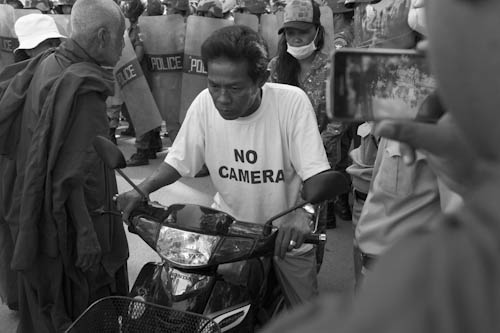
59,187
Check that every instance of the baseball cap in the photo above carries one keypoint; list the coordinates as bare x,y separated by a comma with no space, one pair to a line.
300,14
213,6
32,29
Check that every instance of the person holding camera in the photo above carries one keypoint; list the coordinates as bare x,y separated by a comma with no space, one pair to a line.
443,279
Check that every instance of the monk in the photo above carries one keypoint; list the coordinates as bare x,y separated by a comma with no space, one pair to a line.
67,252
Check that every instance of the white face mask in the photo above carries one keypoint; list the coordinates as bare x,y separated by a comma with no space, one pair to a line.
302,52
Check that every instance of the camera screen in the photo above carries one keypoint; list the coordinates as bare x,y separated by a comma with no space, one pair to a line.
373,85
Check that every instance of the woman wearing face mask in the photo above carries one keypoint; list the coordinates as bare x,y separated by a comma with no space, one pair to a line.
302,62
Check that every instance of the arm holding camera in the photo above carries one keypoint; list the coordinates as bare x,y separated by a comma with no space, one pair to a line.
447,151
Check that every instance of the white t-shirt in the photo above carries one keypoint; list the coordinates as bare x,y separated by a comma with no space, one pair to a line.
257,163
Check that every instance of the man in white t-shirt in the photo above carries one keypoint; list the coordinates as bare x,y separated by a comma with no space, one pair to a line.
259,141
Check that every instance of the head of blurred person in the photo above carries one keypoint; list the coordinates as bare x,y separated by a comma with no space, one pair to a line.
236,58
464,75
302,35
255,7
342,15
209,8
36,33
180,7
98,27
227,8
41,6
62,6
132,10
154,8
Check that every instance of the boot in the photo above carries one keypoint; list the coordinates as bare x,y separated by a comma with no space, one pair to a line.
138,159
342,207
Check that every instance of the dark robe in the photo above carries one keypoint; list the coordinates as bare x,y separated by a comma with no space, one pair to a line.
60,184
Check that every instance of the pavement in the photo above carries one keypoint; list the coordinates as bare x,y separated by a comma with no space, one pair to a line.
336,275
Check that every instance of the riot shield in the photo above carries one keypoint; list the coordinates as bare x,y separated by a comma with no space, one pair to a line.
326,20
22,12
63,23
8,40
268,29
135,90
383,25
163,38
249,20
194,76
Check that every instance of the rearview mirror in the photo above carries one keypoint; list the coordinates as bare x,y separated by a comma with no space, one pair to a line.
325,186
109,153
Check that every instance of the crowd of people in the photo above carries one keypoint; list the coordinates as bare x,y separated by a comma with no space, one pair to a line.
422,203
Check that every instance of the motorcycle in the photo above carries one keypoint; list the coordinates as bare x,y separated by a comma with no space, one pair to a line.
211,263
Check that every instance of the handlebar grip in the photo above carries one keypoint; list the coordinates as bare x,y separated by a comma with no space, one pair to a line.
315,238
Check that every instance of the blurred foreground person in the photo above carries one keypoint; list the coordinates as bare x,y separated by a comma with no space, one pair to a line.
67,252
444,279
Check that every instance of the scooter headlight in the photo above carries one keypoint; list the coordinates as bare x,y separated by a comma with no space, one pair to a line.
185,248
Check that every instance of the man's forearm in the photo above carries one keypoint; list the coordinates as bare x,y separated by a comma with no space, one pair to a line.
163,176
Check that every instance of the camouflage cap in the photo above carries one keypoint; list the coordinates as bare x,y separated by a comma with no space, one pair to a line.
212,6
300,14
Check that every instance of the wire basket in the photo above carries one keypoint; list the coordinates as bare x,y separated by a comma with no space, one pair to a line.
129,315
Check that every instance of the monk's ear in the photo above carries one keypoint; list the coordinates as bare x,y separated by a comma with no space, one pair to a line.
102,37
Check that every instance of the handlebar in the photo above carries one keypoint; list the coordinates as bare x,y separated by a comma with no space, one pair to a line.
315,238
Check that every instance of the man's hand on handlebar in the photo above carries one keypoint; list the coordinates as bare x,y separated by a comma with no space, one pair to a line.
292,232
127,201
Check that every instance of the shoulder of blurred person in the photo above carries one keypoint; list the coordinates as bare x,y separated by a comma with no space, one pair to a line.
444,279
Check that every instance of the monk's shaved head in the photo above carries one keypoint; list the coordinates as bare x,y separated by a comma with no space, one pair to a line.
88,16
98,27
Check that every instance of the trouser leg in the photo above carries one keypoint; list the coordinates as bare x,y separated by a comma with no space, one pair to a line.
297,276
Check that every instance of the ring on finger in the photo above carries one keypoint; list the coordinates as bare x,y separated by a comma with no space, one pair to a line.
292,243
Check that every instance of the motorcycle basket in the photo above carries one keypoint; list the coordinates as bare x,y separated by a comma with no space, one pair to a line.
130,315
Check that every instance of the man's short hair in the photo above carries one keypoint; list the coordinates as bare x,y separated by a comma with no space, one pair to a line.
238,42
